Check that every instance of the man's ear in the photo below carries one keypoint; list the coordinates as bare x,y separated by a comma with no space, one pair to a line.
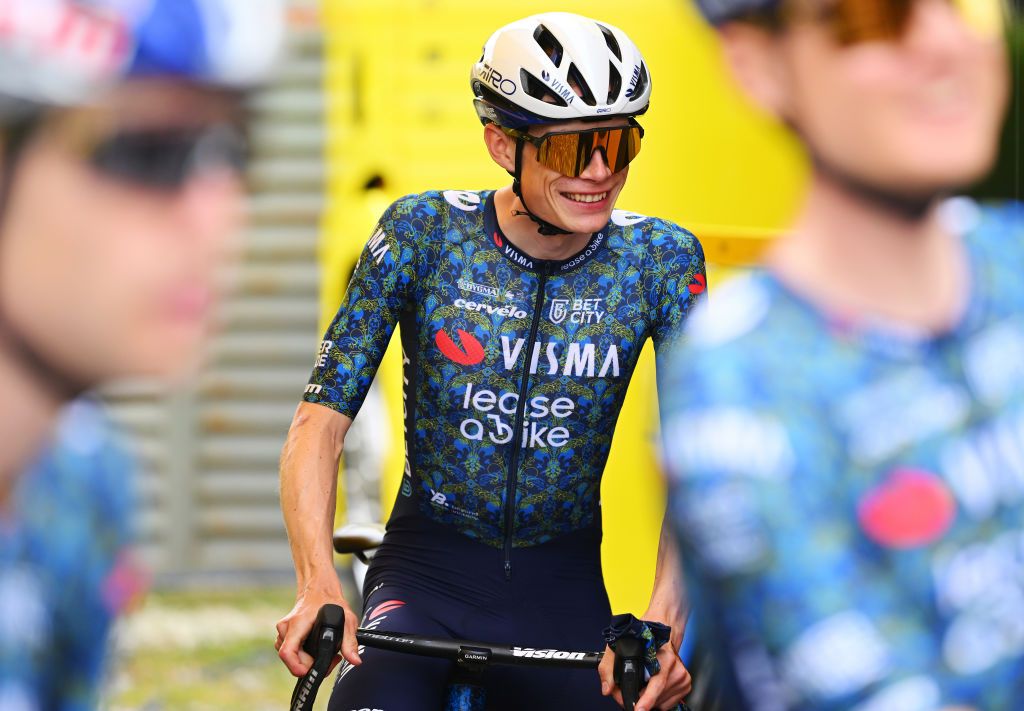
501,146
757,61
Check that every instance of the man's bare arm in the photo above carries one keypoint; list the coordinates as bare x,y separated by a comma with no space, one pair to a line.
309,472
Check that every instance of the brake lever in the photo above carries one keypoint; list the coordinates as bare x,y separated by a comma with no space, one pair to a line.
322,643
629,669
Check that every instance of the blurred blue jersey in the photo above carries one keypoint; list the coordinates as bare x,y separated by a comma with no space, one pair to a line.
64,572
850,495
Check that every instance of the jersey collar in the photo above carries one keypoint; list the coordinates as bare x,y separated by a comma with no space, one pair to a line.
523,260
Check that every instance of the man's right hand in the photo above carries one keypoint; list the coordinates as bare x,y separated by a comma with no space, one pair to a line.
296,625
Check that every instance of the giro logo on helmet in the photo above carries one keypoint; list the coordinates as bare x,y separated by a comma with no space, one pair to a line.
492,76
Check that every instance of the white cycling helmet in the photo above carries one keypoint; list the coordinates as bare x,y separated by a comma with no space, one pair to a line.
63,52
558,66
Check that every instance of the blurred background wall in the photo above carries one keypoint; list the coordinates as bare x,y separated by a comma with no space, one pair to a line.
209,501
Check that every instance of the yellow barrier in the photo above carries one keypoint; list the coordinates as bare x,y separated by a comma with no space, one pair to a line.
400,119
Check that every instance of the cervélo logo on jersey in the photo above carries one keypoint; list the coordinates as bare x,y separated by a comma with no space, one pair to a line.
508,310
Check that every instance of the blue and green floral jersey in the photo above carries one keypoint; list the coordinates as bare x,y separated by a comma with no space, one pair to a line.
64,569
850,495
515,368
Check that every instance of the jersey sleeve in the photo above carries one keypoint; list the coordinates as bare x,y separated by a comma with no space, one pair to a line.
800,610
681,283
377,295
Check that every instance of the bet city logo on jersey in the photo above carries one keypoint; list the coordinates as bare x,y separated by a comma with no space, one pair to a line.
582,311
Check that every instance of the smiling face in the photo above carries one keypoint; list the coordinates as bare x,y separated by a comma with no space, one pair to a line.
918,114
583,204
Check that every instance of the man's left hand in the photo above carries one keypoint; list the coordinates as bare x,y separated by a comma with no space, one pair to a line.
664,690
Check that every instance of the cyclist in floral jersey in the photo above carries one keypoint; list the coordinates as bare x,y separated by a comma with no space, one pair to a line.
851,517
120,159
523,312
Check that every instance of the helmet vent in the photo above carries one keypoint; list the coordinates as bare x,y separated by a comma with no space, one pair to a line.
537,89
613,44
549,45
614,83
579,85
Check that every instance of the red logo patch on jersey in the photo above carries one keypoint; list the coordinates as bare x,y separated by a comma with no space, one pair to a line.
910,508
700,284
470,353
498,241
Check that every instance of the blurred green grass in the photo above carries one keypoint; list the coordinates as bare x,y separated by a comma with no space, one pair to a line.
199,650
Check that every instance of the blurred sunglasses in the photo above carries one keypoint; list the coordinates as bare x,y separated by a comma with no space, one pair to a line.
570,152
162,158
167,159
856,21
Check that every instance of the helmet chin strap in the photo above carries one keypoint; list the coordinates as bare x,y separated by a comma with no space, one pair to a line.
543,226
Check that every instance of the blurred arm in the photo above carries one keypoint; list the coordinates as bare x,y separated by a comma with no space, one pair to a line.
668,597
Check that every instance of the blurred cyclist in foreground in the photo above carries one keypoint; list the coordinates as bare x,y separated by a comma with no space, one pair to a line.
852,507
121,146
523,312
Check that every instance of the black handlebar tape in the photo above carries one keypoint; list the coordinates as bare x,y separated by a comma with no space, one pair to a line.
322,643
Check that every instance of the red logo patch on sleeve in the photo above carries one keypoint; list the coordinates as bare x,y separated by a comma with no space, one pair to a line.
700,284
